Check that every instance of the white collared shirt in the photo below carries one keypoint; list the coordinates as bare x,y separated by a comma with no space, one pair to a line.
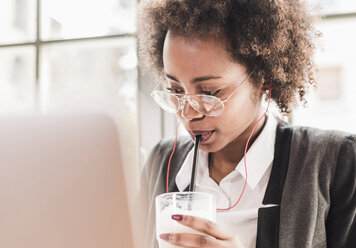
242,219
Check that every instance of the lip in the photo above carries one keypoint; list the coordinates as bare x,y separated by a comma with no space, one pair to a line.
205,134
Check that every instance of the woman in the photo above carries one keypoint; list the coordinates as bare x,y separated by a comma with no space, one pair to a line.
218,60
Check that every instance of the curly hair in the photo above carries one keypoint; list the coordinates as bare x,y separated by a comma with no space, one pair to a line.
272,38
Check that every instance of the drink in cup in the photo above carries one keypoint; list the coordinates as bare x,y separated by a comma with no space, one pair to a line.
186,203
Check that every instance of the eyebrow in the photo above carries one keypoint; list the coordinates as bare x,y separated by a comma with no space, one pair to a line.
195,80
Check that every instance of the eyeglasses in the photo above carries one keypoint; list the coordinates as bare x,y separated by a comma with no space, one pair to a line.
204,104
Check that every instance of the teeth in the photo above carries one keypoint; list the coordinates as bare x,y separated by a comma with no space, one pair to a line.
205,135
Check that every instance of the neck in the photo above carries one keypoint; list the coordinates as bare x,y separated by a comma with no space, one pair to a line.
223,162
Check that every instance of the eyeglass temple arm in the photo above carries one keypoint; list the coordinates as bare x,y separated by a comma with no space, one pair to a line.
157,85
237,87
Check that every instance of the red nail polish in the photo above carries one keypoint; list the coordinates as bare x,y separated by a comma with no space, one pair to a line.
177,217
164,236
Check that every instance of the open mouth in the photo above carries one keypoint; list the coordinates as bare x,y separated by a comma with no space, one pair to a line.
205,135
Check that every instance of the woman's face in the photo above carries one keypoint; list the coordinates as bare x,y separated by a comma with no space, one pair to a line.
203,66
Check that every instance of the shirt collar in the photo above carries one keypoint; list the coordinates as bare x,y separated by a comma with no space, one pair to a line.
258,158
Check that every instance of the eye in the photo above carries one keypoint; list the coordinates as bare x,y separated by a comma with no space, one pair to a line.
175,90
211,93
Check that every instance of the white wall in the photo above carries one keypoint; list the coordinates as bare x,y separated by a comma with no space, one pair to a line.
339,51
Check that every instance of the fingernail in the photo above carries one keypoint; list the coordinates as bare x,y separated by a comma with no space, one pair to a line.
177,217
164,236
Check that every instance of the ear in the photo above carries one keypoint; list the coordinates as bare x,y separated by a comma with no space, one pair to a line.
266,85
263,87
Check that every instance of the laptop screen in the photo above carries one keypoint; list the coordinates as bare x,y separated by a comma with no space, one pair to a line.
62,183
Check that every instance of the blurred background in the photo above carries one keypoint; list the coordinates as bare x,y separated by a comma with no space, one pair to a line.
81,55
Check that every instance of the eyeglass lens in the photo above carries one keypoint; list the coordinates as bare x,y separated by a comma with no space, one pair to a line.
207,105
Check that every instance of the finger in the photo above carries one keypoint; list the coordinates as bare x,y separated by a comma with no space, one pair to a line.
190,240
203,225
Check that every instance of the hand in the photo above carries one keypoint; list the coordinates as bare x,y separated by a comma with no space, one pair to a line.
216,236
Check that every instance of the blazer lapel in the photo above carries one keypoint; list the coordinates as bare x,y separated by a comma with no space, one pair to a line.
268,217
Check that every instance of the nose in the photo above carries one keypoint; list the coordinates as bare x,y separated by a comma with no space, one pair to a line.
189,113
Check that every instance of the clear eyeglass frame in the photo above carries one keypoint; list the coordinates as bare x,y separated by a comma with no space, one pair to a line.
204,104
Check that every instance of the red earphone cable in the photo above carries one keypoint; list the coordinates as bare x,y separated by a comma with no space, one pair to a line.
245,162
170,158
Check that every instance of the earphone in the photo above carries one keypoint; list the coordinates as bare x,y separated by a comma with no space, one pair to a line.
245,151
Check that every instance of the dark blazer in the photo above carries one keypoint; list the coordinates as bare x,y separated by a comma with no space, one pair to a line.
313,182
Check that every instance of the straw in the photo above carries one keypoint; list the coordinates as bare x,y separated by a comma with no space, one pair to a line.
195,160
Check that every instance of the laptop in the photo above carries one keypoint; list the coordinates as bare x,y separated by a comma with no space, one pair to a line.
62,183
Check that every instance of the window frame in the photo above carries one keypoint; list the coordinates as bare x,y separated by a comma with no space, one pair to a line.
148,113
38,44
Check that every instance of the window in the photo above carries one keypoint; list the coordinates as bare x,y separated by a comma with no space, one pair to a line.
78,55
331,105
333,7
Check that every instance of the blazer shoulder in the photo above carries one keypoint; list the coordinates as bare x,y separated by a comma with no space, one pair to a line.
313,135
166,145
160,153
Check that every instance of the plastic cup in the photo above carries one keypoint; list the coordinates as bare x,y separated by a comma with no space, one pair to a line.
186,203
